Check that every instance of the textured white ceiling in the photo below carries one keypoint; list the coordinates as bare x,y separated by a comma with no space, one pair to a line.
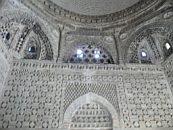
95,7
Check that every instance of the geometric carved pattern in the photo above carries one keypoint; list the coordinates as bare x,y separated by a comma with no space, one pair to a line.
134,49
28,25
147,33
72,92
149,102
90,54
167,65
105,90
91,116
95,19
27,103
37,94
76,90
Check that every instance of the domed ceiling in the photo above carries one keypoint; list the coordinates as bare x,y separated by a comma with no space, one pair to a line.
87,12
95,7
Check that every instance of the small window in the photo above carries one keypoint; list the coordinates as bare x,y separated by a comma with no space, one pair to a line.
8,36
167,46
97,53
32,49
168,50
79,53
143,54
96,56
144,57
90,54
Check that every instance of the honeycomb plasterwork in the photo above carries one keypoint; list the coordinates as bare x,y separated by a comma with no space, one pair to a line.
169,70
147,33
91,116
91,98
143,100
90,54
73,42
25,24
42,94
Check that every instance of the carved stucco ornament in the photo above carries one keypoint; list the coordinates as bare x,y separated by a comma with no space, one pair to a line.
123,36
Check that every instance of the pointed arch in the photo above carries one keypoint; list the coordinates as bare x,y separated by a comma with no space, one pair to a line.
86,99
29,23
147,32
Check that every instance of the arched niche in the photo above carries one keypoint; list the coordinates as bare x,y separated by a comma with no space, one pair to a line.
20,28
84,100
154,35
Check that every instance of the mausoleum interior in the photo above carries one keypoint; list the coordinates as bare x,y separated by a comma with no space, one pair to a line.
86,64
